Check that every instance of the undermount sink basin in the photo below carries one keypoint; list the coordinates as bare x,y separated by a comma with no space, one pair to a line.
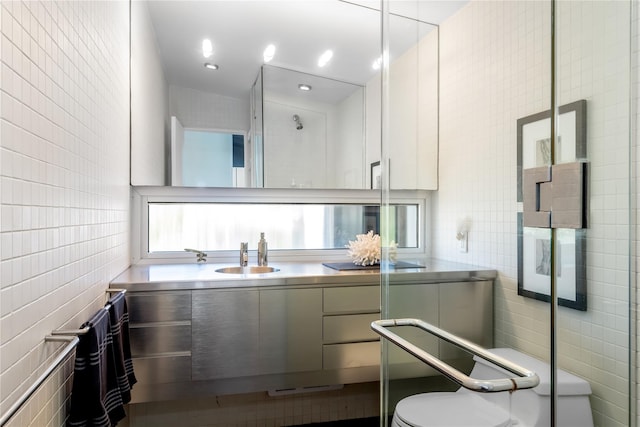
251,269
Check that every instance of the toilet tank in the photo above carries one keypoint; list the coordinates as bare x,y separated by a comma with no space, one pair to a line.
568,384
532,407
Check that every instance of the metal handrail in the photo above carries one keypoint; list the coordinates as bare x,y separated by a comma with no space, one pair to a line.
525,378
65,335
72,343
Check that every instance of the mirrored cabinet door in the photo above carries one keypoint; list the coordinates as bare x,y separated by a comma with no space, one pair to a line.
306,116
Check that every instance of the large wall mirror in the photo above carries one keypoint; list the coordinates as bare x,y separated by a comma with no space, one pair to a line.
244,119
312,138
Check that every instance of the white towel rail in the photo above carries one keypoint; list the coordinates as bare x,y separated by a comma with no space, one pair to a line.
69,336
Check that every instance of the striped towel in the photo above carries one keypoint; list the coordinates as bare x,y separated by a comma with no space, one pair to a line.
96,400
119,317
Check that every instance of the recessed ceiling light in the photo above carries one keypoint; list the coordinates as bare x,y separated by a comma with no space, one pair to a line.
211,66
269,52
207,48
325,58
304,87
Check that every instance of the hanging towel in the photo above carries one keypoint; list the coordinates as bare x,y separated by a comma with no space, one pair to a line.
95,398
119,318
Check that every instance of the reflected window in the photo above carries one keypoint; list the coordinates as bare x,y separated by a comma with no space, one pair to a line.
221,226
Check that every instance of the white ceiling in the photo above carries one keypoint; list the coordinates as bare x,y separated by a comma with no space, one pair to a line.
300,29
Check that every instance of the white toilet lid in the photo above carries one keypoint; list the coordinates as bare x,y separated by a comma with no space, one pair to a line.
450,409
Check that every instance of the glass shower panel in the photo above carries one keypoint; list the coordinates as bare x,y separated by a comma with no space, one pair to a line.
408,93
593,65
494,68
255,155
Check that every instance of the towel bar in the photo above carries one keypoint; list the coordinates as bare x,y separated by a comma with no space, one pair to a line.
72,343
70,336
86,329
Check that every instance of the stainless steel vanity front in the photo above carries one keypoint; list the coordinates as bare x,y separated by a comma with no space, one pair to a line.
249,332
245,334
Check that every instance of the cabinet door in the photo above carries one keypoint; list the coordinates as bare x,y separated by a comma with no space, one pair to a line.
413,117
290,330
418,301
225,334
467,313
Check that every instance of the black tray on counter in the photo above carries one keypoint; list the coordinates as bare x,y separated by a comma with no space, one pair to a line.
343,266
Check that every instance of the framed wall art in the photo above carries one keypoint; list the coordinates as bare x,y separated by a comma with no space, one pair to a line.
534,244
534,265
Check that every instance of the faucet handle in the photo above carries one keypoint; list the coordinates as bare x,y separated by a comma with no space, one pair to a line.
200,255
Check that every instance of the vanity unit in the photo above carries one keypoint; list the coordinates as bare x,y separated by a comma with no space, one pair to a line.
195,331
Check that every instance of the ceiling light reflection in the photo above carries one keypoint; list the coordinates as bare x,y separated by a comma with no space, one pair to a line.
377,63
325,58
207,48
269,52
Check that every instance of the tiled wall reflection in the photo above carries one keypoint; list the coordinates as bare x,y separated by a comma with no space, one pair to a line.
260,410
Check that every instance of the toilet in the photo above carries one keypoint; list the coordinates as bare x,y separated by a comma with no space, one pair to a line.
527,408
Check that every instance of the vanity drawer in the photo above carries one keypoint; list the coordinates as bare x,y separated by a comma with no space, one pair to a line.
354,355
153,340
159,307
349,328
351,299
159,370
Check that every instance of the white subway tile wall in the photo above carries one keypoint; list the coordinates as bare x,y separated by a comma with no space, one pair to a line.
205,110
64,177
47,406
495,68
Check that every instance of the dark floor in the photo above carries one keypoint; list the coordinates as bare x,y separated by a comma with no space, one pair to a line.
360,422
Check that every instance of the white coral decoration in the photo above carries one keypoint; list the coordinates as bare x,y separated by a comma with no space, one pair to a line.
365,250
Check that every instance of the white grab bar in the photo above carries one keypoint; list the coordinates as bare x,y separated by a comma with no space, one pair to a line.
524,379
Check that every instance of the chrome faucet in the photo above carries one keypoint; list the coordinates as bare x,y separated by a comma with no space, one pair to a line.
200,256
244,254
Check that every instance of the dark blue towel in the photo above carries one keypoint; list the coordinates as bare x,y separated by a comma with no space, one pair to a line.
96,400
119,317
